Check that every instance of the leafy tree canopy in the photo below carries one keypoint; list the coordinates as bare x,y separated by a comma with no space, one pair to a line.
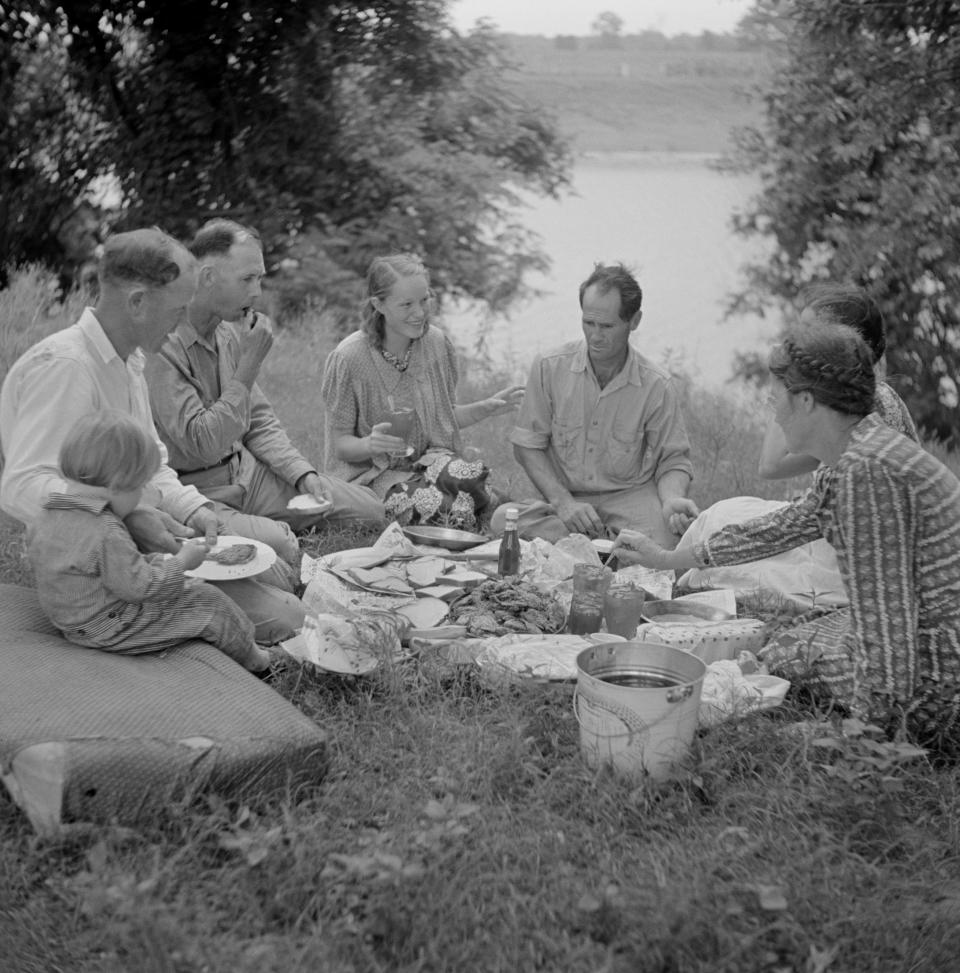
858,158
609,26
340,129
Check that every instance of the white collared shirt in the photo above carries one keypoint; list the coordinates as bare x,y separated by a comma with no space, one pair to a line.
67,375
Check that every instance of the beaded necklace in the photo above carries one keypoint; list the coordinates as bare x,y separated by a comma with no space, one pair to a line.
400,363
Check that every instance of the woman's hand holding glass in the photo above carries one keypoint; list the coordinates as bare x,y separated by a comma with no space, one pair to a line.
382,440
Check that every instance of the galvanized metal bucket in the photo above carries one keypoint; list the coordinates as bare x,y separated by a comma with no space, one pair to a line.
637,703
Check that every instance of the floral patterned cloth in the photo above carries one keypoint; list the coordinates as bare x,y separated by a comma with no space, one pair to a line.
892,513
449,489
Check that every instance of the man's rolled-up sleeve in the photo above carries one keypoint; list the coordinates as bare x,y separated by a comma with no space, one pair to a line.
667,435
534,422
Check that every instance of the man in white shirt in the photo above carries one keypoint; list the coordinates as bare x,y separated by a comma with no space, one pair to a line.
147,280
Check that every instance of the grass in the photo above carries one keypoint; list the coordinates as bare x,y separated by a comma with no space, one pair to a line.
459,828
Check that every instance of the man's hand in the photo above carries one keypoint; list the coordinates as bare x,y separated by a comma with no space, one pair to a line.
506,400
580,518
203,521
634,547
679,513
255,344
153,530
312,484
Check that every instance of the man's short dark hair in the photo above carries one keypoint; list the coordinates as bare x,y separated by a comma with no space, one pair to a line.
609,277
218,235
147,256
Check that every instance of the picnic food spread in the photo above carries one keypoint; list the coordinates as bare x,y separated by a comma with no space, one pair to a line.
511,628
232,555
508,605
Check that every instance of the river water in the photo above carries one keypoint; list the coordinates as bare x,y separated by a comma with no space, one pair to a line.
667,217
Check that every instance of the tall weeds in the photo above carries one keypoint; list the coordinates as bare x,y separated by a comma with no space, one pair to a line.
30,309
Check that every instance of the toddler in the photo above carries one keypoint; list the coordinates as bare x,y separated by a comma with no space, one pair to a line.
93,582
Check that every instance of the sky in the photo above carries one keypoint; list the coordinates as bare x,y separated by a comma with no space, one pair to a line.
551,17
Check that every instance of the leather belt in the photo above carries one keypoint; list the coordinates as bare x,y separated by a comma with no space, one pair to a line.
213,466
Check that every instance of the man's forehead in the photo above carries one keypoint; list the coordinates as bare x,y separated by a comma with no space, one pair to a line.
602,302
244,254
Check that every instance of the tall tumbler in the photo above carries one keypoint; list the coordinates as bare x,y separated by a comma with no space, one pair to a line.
586,607
623,608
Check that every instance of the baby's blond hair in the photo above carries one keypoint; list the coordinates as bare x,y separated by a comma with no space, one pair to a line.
109,449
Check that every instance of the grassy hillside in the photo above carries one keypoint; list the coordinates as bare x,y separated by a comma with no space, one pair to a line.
638,100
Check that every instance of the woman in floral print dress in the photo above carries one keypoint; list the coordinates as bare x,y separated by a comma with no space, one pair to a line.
892,513
399,359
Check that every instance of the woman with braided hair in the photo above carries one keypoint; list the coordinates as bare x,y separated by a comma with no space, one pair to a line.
847,304
891,512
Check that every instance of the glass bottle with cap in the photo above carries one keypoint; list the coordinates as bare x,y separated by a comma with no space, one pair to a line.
508,563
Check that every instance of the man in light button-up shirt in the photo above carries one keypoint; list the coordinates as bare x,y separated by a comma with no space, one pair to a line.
600,433
221,431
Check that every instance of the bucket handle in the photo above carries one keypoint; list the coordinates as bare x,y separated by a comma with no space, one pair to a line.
634,725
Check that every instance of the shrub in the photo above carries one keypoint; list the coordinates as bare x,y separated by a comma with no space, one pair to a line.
30,309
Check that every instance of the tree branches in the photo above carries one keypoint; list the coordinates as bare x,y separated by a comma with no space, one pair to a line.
354,126
857,158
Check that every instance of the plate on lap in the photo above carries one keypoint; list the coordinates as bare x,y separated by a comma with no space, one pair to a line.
263,557
307,503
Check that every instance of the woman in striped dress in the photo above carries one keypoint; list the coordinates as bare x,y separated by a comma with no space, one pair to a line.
892,513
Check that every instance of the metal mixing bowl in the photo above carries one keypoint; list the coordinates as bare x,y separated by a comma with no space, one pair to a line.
683,612
452,540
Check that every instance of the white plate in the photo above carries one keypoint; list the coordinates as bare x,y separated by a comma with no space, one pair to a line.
603,545
337,659
307,503
542,658
211,571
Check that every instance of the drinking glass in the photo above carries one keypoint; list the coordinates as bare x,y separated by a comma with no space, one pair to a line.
403,420
623,608
586,607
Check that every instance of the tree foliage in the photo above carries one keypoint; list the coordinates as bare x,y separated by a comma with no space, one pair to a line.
49,133
858,158
340,129
608,26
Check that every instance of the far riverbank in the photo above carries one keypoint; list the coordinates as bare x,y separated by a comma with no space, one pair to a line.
666,215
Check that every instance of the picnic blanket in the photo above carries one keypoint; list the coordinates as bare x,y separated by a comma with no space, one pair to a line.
87,735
